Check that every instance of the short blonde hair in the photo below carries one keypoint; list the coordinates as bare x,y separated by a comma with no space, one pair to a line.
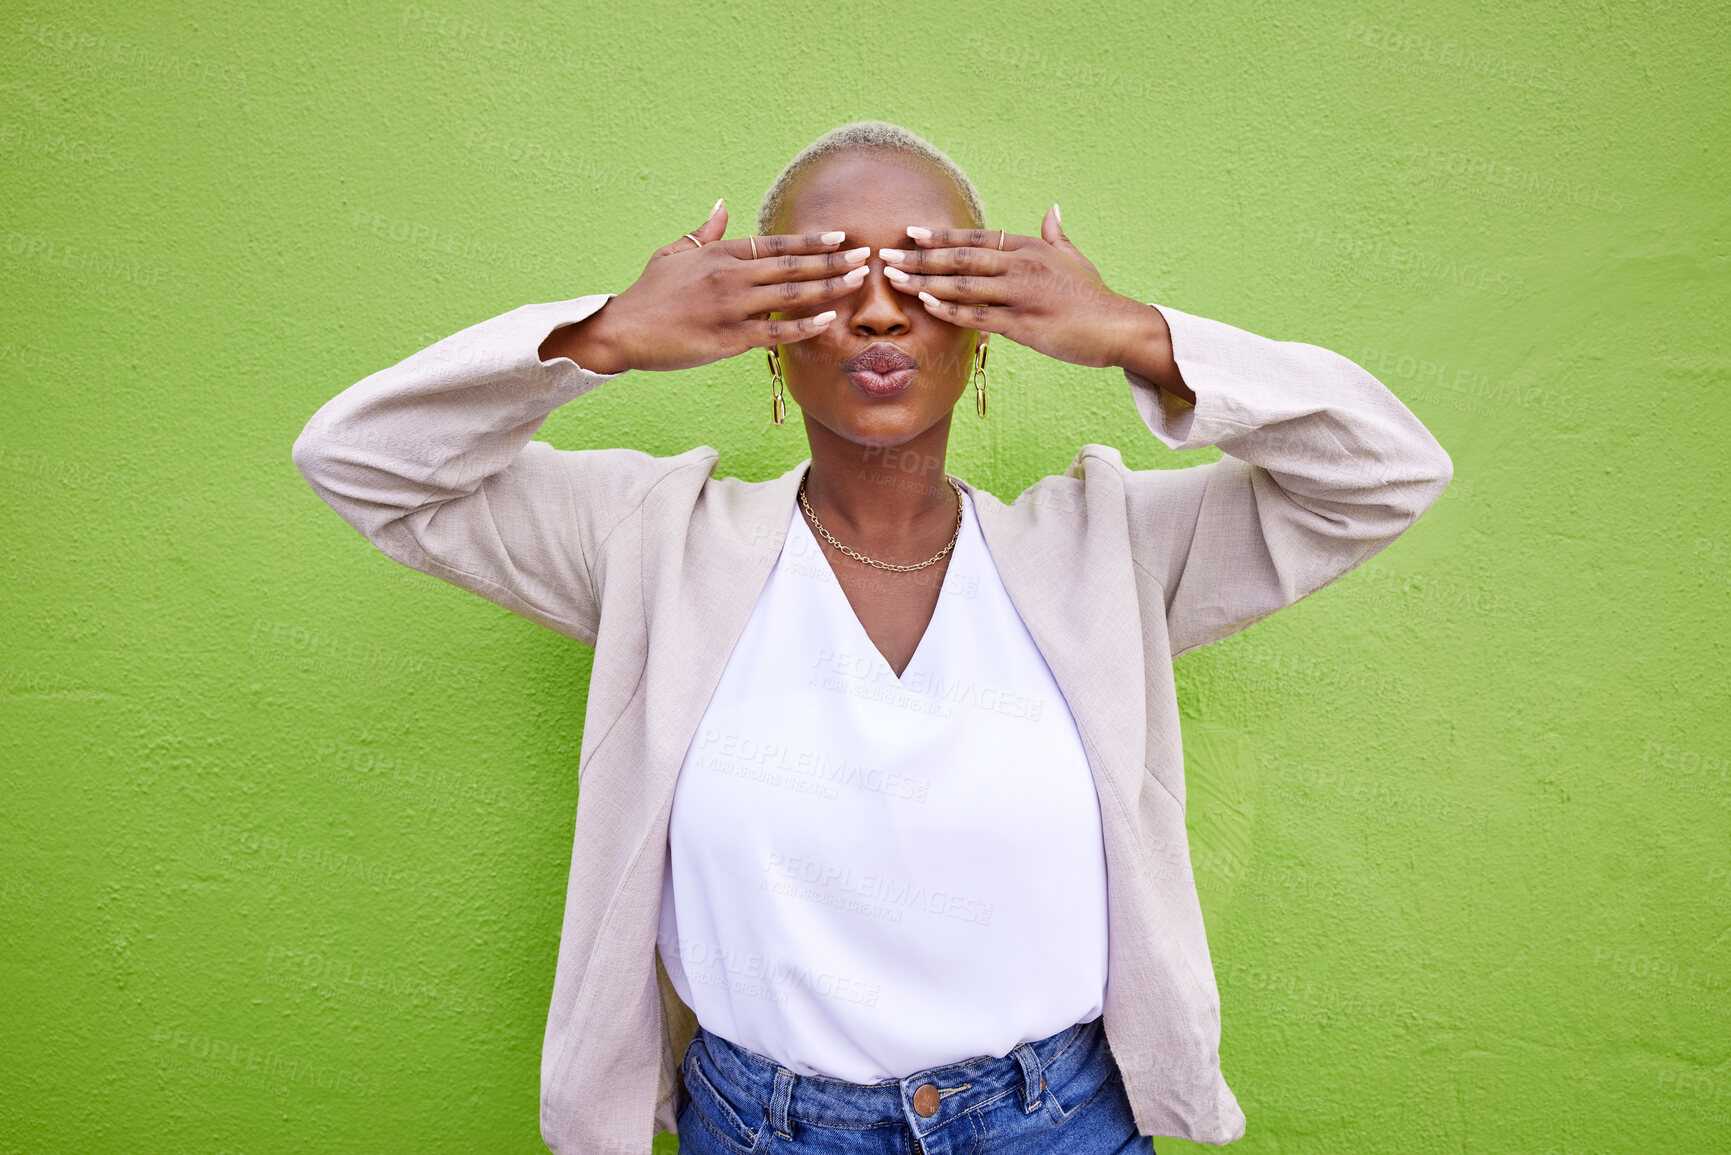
862,135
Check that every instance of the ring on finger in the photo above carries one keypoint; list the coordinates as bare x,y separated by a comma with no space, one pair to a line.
754,248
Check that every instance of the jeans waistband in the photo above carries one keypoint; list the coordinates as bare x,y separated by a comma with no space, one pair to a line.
1029,1067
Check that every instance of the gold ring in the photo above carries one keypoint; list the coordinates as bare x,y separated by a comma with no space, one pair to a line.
695,241
754,248
1000,240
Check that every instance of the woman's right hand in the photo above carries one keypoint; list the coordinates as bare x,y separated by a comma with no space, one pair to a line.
694,305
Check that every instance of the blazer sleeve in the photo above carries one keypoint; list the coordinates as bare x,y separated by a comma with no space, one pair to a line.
432,460
1323,467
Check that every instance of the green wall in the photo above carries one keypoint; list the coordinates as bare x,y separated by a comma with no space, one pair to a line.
285,826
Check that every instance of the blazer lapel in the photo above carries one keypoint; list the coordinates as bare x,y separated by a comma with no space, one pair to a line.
1073,588
1072,584
701,605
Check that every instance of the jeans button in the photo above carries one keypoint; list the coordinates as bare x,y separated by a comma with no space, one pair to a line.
926,1100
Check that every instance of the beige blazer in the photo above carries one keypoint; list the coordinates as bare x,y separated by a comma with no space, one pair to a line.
656,563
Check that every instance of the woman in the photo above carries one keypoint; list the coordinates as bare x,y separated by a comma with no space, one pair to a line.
881,844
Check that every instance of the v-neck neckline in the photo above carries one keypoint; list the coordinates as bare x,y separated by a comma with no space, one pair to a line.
962,536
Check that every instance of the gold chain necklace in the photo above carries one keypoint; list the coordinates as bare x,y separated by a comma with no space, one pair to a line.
939,556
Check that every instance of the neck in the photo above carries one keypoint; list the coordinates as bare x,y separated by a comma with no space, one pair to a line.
893,498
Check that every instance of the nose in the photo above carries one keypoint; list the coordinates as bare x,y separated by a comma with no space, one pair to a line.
878,309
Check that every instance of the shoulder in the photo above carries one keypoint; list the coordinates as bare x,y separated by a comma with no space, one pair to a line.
684,494
1097,473
607,488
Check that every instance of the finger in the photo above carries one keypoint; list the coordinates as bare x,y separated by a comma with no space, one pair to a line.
767,270
712,229
991,318
973,238
783,245
761,334
715,227
1052,231
967,288
790,296
949,261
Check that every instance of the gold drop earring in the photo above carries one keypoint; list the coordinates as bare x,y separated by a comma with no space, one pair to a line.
980,378
777,400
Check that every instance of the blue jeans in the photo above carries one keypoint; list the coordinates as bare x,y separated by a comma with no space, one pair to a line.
1063,1093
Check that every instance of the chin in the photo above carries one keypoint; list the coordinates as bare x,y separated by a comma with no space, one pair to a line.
881,425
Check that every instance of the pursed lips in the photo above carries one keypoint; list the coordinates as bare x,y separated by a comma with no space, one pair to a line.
881,370
881,358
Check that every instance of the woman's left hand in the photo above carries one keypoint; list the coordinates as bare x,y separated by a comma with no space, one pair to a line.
1039,291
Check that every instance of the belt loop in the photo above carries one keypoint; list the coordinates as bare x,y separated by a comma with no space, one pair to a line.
1033,1080
778,1102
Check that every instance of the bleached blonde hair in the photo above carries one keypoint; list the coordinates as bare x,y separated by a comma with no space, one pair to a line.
864,135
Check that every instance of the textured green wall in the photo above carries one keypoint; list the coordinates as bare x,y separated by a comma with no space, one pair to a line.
285,825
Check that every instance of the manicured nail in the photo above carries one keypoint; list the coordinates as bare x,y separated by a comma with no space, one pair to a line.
824,317
928,298
896,274
1057,213
919,234
834,238
855,276
858,254
897,255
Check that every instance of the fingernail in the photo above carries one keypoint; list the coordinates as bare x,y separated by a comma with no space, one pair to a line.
894,255
928,298
895,274
718,201
855,276
824,317
834,238
1057,212
858,254
919,234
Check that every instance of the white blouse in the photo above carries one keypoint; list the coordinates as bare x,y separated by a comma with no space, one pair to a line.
870,875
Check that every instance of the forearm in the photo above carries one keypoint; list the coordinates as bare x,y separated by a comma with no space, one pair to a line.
1148,352
591,343
1321,467
437,423
1331,436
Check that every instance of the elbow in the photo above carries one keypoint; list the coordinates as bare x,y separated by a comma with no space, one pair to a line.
1425,484
1442,472
1444,467
307,455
